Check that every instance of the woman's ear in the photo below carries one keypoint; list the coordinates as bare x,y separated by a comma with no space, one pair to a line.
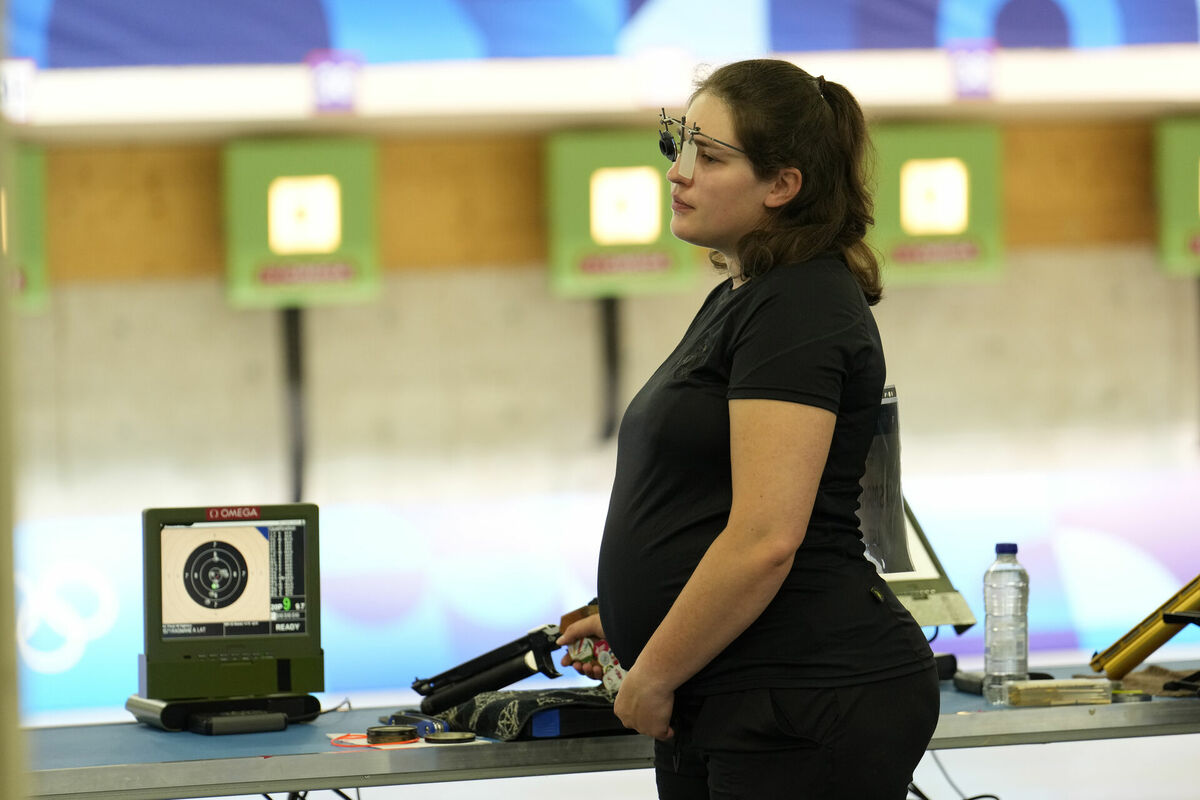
786,186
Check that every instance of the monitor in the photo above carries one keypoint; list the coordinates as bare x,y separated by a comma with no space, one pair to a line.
893,538
232,602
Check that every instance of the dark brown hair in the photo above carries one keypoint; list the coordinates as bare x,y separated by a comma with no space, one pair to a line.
785,117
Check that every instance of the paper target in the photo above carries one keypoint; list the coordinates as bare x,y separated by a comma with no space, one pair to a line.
215,575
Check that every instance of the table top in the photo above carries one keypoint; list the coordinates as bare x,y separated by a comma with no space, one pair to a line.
132,761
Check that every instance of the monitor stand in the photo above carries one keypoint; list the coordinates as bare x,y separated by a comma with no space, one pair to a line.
223,715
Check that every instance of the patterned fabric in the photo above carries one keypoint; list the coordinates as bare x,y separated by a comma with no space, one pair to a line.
507,715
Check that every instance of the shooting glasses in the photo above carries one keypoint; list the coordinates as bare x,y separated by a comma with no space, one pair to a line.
677,142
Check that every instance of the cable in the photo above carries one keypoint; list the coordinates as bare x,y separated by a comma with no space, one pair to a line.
953,786
342,706
913,790
935,634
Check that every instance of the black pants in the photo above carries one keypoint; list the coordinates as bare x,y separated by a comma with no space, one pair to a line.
850,743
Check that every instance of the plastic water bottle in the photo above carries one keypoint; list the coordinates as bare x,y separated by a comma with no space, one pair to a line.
1006,637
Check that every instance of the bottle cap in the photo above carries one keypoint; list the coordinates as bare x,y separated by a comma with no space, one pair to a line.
1008,548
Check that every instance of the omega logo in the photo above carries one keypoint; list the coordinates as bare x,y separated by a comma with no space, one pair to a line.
243,512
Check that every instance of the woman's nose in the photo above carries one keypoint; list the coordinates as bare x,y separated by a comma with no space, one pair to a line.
673,172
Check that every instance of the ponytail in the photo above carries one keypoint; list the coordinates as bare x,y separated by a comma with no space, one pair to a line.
860,206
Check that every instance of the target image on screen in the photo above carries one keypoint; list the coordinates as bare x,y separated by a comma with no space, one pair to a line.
232,579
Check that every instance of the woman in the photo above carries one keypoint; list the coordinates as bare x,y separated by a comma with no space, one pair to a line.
761,648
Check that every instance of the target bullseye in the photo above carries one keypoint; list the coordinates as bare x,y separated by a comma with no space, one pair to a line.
215,574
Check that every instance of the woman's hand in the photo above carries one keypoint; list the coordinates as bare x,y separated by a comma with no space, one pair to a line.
645,707
588,627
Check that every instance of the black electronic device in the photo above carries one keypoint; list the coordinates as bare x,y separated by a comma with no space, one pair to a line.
232,618
894,540
238,721
224,714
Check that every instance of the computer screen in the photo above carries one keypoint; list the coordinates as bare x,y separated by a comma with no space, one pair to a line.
233,579
232,602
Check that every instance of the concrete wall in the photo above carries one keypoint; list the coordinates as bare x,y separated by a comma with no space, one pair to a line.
479,380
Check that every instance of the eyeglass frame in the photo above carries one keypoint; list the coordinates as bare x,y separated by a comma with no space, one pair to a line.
672,148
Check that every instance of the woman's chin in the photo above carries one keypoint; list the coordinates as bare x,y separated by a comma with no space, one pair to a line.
679,230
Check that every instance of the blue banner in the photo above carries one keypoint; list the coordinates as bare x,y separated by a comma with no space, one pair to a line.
107,33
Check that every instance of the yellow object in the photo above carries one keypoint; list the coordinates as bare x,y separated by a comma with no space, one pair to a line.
1149,635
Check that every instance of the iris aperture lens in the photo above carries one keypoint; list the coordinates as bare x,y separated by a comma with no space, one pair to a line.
667,146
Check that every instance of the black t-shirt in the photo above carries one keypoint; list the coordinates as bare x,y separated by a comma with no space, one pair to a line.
801,333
